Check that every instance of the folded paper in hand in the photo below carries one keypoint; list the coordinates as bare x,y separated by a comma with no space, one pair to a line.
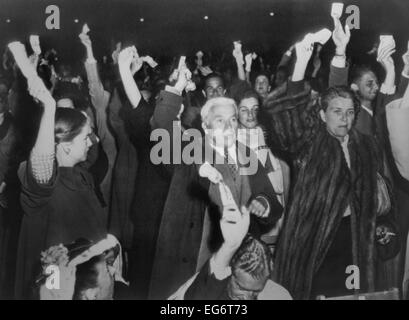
182,62
337,9
386,41
35,44
237,45
85,29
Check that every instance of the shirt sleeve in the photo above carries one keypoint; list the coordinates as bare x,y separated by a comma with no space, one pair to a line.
35,195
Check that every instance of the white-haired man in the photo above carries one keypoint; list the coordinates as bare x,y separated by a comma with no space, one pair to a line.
187,235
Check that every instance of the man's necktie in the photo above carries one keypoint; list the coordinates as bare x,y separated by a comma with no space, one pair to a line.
232,166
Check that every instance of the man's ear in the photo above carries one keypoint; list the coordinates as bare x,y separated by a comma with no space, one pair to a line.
323,116
354,87
205,129
90,294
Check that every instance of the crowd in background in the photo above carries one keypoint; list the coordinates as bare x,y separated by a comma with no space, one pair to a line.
80,189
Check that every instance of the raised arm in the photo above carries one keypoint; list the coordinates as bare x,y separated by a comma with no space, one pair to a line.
338,70
169,105
385,59
292,120
99,97
249,61
238,56
127,58
286,57
42,155
211,282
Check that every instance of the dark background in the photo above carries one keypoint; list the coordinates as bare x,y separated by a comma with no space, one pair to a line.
177,26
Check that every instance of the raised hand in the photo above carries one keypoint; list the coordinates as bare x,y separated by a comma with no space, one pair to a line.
127,56
340,37
237,53
385,57
116,52
85,40
136,64
184,77
249,60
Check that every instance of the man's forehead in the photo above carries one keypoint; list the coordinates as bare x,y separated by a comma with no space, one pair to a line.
214,82
262,78
369,76
223,109
249,103
340,102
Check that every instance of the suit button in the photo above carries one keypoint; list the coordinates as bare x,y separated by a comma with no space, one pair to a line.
191,225
184,260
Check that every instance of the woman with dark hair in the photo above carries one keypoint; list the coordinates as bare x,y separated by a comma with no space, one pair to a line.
251,134
57,196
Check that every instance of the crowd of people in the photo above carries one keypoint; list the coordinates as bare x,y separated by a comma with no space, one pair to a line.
300,172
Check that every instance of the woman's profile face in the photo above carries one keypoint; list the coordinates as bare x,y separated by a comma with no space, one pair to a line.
79,146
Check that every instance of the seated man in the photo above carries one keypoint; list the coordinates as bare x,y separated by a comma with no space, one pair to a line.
239,270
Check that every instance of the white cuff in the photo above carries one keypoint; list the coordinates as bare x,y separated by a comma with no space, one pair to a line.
405,75
339,62
173,90
219,273
90,61
387,90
